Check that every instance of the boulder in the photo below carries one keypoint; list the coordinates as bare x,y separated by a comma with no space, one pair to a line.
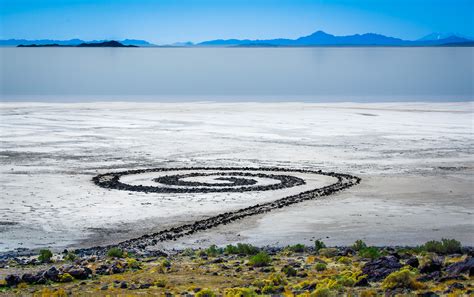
435,275
12,280
432,264
51,274
464,267
413,262
33,278
80,272
378,269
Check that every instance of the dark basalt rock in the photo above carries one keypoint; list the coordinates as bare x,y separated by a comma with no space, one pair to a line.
51,274
378,269
12,280
413,262
464,267
428,294
34,278
362,283
102,269
434,264
80,272
435,275
347,252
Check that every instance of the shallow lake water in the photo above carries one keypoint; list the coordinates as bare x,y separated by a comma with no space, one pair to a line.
237,74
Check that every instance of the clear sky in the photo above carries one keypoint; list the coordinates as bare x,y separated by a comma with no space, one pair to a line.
168,21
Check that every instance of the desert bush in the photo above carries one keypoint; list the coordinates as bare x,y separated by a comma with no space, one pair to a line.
115,252
239,292
297,248
320,266
241,248
347,278
70,256
188,252
322,292
288,270
344,260
133,263
45,256
65,278
277,279
445,246
329,283
369,252
318,244
272,289
275,284
205,293
214,251
328,252
359,245
404,278
165,264
160,283
261,259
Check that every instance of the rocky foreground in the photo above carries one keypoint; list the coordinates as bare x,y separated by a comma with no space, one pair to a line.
437,268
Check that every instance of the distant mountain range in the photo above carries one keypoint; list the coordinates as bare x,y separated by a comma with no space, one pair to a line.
318,38
321,38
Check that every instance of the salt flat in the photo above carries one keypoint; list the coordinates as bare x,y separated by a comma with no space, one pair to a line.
415,160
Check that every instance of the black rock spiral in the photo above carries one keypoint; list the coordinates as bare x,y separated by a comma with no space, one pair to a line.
233,182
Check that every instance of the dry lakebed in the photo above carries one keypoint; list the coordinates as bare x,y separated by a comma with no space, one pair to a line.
415,162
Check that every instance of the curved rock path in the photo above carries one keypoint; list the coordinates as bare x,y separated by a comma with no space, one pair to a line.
234,179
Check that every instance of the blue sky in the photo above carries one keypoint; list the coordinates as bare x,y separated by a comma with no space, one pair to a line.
168,21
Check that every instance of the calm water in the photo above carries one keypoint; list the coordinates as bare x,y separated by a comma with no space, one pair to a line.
305,74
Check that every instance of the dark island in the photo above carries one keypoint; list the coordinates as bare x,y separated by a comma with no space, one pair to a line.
111,43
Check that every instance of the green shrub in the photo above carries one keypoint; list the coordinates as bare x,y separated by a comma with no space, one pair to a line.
271,289
369,252
160,283
328,252
359,245
261,259
165,264
241,248
188,252
133,263
346,281
115,253
319,244
297,248
288,270
213,251
70,256
205,293
320,266
239,292
445,246
277,279
344,260
404,278
45,256
322,292
65,278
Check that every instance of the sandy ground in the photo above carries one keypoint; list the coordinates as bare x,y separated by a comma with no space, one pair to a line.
415,159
